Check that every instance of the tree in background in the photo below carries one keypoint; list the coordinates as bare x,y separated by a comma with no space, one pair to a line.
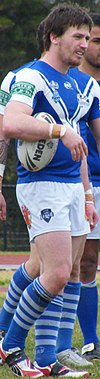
18,23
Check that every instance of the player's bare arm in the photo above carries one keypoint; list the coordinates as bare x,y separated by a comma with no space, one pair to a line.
91,213
19,123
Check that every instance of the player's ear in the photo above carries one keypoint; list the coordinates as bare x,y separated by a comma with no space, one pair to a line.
54,39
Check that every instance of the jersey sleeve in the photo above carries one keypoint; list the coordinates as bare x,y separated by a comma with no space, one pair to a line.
4,91
95,107
27,88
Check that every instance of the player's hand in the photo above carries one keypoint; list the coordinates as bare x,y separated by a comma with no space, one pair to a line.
2,207
75,143
91,215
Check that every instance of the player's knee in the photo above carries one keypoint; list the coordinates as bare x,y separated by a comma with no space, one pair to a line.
63,275
89,261
75,273
88,269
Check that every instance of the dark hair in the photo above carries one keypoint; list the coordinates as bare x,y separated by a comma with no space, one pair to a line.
95,18
39,36
62,17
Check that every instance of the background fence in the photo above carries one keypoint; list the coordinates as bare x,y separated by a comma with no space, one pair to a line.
13,231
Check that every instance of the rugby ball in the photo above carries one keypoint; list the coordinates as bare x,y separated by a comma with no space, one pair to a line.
36,155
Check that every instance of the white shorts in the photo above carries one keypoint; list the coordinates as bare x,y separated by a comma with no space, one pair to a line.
51,206
95,234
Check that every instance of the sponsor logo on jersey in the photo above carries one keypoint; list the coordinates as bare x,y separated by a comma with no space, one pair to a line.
55,87
23,88
83,100
46,214
68,85
4,97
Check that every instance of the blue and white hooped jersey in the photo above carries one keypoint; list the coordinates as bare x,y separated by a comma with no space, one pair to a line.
45,89
88,85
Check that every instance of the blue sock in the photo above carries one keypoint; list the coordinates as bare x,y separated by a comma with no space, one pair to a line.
19,282
70,302
31,305
87,312
46,332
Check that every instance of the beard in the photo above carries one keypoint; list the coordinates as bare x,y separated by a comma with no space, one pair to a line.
93,62
75,62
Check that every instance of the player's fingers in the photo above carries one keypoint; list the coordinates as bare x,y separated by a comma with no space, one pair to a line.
73,153
85,149
77,153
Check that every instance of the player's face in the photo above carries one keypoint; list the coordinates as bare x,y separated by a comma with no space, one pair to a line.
72,45
92,55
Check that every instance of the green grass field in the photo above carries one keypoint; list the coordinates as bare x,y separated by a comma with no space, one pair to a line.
5,372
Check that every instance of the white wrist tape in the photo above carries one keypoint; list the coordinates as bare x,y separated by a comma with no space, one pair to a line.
89,198
51,130
2,168
56,131
89,202
88,192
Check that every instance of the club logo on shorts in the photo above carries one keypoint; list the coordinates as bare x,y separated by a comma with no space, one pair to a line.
46,214
26,215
